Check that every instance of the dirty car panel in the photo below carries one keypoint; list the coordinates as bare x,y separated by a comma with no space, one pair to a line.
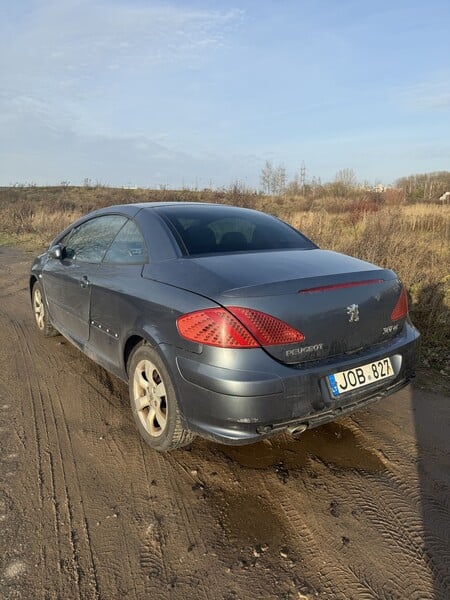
235,326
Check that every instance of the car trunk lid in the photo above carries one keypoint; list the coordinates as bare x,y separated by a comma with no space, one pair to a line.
337,314
339,303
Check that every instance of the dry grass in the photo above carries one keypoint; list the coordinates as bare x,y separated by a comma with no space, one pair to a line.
414,240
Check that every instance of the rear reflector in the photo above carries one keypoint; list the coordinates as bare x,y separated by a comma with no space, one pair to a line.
236,327
337,286
401,308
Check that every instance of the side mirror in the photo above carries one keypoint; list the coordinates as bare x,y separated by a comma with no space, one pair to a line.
55,252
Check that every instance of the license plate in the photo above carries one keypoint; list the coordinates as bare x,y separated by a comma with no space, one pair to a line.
346,381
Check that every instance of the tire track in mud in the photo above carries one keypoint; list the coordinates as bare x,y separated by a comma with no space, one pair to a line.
184,524
152,546
119,454
82,570
385,506
91,567
394,524
401,526
317,559
20,360
149,531
114,543
116,537
363,426
252,573
336,578
404,494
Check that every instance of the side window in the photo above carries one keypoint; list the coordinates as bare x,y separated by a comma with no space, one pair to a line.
128,247
89,241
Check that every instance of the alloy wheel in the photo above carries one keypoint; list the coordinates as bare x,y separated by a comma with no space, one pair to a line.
149,396
39,310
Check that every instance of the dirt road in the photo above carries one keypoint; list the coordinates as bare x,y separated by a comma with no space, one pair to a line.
357,509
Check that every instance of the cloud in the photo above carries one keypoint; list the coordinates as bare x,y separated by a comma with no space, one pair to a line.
64,63
35,150
82,36
428,95
67,52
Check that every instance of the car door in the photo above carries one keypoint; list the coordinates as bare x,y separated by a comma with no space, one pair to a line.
67,281
115,290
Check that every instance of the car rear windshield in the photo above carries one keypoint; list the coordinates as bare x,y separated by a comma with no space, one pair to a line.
217,229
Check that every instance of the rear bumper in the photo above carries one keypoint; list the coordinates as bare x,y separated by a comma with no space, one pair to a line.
238,397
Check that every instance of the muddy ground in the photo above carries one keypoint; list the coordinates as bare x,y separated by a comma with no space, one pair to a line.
356,509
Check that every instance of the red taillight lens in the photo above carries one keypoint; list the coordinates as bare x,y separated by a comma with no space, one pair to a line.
236,328
268,330
401,308
215,327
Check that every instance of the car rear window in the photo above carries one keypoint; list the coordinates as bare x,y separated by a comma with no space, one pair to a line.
221,229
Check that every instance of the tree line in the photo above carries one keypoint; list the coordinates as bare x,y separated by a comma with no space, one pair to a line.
426,187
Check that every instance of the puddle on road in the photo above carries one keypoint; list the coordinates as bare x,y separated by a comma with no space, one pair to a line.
333,444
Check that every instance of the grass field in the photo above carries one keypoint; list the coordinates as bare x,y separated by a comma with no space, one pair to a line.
414,240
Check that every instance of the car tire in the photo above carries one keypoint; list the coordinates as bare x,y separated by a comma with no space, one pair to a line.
154,402
40,312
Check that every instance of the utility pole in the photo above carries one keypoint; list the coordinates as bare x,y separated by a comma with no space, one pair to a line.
302,177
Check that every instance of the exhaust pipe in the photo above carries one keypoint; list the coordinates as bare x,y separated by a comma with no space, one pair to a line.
297,429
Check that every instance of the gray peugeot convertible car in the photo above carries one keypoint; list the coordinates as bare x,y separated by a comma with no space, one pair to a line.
226,322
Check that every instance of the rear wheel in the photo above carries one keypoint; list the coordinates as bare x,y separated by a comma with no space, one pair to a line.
40,312
154,403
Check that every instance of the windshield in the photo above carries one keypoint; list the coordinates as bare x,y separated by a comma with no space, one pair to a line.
206,229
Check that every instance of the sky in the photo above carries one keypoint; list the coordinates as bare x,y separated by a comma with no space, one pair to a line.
202,93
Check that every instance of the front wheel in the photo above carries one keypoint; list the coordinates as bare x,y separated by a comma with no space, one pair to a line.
154,403
40,312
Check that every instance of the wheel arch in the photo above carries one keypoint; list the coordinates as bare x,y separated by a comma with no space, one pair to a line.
142,332
33,280
132,342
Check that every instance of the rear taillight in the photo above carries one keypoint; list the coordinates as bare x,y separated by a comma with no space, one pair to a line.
401,308
268,330
236,327
215,327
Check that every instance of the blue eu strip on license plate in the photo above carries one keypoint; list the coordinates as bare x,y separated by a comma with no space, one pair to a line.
333,385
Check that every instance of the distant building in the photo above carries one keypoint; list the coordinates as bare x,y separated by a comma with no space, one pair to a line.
378,188
445,198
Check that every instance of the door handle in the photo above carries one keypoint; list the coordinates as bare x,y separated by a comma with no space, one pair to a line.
84,281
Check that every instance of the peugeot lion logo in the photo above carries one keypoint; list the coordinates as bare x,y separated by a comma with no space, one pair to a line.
353,313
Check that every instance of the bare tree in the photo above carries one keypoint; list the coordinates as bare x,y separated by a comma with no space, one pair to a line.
266,177
278,180
346,177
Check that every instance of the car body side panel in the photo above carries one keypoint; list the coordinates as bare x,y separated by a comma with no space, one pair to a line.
66,286
113,311
123,305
